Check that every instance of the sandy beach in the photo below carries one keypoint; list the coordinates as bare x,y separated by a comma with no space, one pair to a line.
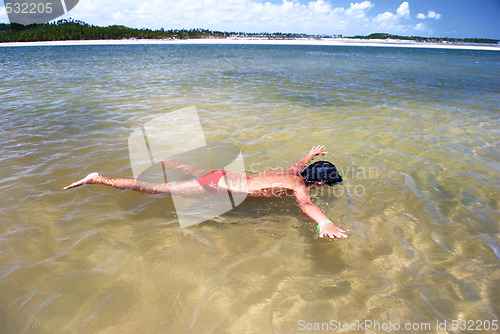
264,41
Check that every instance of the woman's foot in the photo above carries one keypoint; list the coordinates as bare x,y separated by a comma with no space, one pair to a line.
89,179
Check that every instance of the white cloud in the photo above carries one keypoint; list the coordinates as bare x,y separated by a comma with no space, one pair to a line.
420,27
430,15
433,15
404,10
393,22
384,17
307,16
314,17
358,10
361,6
319,7
3,14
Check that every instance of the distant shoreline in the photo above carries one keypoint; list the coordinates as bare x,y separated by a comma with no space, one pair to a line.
264,41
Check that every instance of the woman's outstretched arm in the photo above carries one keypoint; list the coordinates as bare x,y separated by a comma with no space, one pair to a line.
326,227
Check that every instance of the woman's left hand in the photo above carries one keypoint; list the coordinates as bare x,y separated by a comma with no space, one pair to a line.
332,231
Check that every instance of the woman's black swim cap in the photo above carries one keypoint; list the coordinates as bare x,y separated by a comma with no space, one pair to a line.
321,171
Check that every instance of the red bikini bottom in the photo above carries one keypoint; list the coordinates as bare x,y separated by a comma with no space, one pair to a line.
210,181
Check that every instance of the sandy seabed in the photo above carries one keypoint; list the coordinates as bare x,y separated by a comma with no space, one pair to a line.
310,41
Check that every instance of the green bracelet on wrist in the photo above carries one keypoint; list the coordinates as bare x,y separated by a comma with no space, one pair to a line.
323,223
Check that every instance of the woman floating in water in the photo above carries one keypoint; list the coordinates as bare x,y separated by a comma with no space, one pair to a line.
296,180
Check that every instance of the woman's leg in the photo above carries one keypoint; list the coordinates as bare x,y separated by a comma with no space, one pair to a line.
132,184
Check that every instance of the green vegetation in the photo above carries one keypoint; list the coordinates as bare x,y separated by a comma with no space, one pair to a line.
430,39
78,30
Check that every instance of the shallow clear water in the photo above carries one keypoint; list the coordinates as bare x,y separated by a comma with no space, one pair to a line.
415,134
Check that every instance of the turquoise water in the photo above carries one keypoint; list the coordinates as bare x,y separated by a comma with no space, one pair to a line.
414,132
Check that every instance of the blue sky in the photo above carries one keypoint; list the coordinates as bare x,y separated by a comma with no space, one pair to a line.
441,18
